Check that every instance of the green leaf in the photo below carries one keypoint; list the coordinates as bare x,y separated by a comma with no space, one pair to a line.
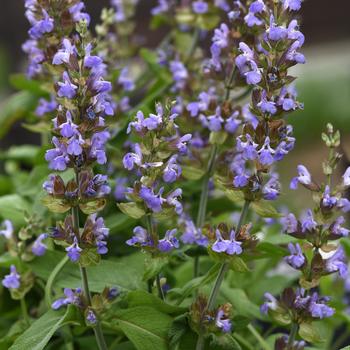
310,333
265,209
132,209
14,108
21,82
146,327
89,257
194,284
237,264
106,273
40,332
13,207
153,265
143,298
92,207
225,342
56,205
192,173
242,305
26,153
118,222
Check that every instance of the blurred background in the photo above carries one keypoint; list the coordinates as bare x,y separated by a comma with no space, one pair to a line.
323,84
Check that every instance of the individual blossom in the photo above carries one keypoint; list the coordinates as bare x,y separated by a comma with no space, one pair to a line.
8,229
91,317
39,248
140,238
222,322
304,178
13,280
337,263
71,297
169,242
296,259
229,246
192,234
74,251
271,303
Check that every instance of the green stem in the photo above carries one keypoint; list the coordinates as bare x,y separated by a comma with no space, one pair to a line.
24,311
84,278
204,200
51,279
153,234
221,275
258,337
292,335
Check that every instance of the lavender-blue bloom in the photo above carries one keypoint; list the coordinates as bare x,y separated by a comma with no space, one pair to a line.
133,158
13,280
222,322
172,170
71,297
169,242
193,235
7,232
228,246
308,223
346,177
200,7
318,308
91,317
289,223
293,5
337,263
77,14
153,201
39,248
45,106
337,229
74,251
173,200
304,178
297,258
66,88
141,237
272,188
270,303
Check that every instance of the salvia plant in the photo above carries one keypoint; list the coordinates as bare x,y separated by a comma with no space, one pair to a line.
147,218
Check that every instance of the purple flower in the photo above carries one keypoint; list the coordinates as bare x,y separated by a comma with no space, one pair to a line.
179,73
251,20
220,37
215,121
45,106
71,297
133,158
124,80
74,145
92,62
193,235
337,229
228,246
163,6
120,188
66,89
297,258
73,251
181,143
7,232
289,223
91,317
257,6
318,308
272,188
248,147
172,170
13,280
328,201
152,201
154,120
38,247
172,199
222,322
304,178
308,223
276,32
270,303
169,242
63,54
293,55
199,7
266,105
140,238
76,13
337,263
292,5
39,28
232,123
346,177
266,153
57,157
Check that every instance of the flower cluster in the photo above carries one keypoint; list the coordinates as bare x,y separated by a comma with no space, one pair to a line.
93,236
48,28
79,141
297,306
155,159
